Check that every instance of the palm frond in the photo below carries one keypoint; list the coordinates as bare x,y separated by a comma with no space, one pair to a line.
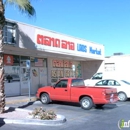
23,5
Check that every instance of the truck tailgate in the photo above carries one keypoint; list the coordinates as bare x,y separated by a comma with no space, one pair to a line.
110,90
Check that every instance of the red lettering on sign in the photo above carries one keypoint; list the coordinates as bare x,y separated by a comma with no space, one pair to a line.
66,64
57,63
57,43
40,39
67,45
61,64
72,46
47,41
54,63
54,42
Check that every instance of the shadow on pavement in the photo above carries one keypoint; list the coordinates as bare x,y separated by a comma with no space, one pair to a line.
10,109
2,122
66,103
107,107
26,105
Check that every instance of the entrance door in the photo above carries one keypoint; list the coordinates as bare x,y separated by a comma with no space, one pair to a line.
43,76
34,79
24,80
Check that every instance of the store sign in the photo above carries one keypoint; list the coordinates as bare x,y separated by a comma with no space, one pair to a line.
8,60
95,51
61,73
92,50
81,47
55,42
61,64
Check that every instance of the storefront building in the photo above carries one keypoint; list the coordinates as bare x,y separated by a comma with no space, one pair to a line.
45,56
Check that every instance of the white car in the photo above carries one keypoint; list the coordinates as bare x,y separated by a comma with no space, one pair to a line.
122,86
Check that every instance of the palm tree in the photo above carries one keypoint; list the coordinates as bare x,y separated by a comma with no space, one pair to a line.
25,7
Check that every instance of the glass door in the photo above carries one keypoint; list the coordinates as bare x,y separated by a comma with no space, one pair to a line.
24,80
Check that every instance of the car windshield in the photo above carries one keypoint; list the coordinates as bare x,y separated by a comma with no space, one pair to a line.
125,82
97,76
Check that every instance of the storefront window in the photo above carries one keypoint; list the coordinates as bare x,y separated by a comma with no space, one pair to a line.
63,68
109,66
38,62
23,60
12,68
16,60
9,33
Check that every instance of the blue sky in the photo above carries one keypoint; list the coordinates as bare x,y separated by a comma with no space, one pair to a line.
105,22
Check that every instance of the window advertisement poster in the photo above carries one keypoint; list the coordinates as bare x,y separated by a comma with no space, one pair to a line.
8,60
65,68
38,62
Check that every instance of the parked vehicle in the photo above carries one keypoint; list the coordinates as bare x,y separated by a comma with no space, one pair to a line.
74,90
106,75
123,87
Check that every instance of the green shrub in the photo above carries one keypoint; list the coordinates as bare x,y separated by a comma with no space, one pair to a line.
40,113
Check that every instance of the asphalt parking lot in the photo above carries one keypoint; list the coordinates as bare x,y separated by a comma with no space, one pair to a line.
105,118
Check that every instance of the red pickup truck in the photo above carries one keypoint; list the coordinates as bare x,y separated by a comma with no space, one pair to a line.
74,90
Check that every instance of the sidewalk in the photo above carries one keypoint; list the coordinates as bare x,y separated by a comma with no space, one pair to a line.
20,99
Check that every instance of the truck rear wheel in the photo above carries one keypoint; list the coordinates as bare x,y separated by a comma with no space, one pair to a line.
45,98
86,103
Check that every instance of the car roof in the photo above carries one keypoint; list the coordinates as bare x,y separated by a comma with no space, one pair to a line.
112,79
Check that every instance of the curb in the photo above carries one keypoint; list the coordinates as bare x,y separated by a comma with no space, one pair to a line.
21,101
59,121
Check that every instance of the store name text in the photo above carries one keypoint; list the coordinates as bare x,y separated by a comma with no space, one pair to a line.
61,64
54,42
94,51
83,48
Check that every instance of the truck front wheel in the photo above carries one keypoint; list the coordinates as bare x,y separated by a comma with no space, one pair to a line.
45,98
86,103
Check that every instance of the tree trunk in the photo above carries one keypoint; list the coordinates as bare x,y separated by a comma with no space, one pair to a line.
2,95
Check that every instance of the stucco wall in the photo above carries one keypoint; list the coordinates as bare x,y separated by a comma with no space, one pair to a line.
89,68
49,71
26,36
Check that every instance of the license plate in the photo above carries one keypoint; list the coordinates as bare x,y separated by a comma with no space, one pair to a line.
112,98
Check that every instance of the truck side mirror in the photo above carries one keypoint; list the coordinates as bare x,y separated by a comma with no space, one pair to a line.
53,85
